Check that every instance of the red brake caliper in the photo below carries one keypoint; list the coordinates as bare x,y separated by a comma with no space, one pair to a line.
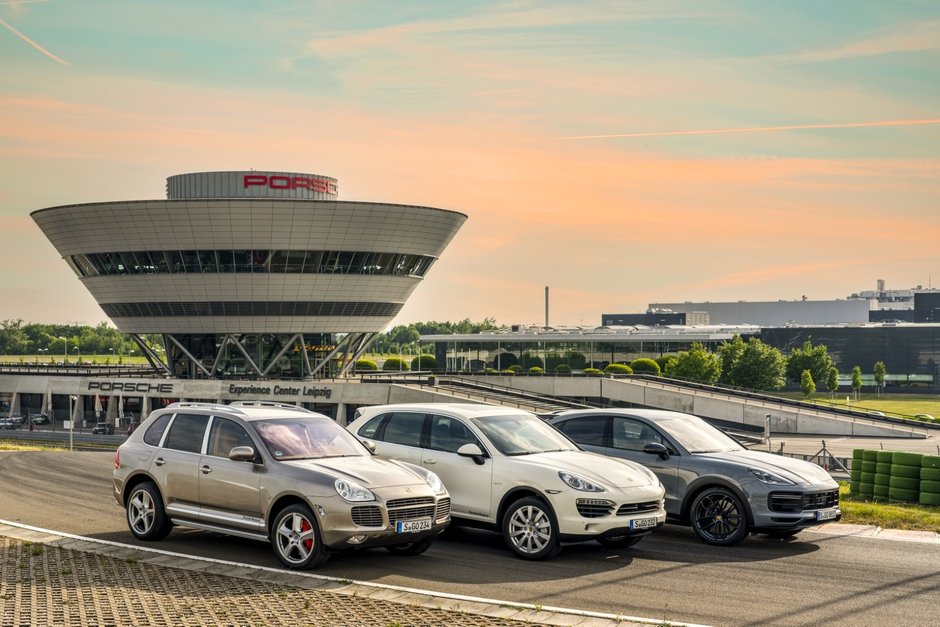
305,527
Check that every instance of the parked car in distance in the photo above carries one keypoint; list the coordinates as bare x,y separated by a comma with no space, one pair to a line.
509,471
276,473
7,423
17,420
40,419
723,490
925,418
103,428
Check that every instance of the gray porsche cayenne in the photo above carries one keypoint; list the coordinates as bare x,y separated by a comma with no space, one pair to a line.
720,488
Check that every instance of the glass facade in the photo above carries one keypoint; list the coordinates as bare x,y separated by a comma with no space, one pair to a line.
249,261
249,308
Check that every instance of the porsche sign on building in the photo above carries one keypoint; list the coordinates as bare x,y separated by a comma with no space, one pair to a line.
250,274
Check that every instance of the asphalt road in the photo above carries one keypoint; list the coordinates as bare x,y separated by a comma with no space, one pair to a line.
816,579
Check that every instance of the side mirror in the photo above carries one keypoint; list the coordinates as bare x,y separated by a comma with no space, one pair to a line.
473,451
242,454
369,444
655,448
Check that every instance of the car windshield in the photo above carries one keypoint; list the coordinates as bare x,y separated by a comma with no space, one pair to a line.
522,434
307,438
697,436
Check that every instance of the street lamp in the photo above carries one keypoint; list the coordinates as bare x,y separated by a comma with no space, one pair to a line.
72,399
66,345
42,353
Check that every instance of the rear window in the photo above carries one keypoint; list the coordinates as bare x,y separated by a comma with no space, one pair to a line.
155,431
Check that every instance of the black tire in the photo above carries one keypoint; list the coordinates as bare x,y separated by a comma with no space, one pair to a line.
718,517
146,517
619,542
295,536
530,529
412,548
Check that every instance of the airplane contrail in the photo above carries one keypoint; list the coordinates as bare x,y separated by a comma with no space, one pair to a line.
759,129
33,43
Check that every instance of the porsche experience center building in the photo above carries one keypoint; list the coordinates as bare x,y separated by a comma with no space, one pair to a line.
258,282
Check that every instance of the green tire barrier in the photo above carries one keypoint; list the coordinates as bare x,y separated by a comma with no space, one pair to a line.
868,477
929,498
883,468
866,489
884,457
930,486
880,499
871,467
881,479
930,461
856,474
882,491
900,494
870,455
911,472
905,483
906,459
857,453
853,488
930,474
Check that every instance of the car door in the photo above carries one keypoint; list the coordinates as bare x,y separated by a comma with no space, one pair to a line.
175,464
470,484
628,437
399,435
590,432
229,491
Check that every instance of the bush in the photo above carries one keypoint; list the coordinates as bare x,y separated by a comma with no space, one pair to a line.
562,369
663,360
424,362
618,369
593,372
529,360
645,365
536,370
366,365
514,368
509,371
395,364
490,371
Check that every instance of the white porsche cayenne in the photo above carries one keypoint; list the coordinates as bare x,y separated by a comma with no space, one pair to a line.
508,470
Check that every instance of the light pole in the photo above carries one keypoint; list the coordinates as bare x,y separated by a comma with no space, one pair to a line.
72,399
42,353
65,344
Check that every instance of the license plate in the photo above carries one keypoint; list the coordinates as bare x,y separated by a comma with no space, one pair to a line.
642,523
827,514
412,526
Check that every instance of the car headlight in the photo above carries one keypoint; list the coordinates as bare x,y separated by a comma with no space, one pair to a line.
768,477
437,486
578,483
352,492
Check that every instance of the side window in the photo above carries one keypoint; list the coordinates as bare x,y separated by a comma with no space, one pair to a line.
586,430
155,431
632,435
226,435
186,433
369,429
404,428
449,434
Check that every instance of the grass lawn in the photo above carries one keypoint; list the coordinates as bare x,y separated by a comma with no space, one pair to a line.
904,404
908,516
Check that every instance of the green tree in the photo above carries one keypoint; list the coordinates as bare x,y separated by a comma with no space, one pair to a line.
807,384
504,360
13,338
816,359
856,380
832,381
695,364
760,367
645,365
880,371
531,359
730,355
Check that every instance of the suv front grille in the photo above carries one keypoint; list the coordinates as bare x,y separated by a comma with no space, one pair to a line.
367,516
594,508
443,510
795,502
411,509
628,509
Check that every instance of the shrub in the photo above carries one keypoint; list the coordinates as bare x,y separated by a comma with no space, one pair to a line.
490,371
366,365
536,370
562,369
593,372
529,360
663,360
515,368
618,369
424,362
645,365
395,364
508,371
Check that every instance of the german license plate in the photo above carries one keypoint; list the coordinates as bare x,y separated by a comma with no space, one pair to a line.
827,514
642,523
412,526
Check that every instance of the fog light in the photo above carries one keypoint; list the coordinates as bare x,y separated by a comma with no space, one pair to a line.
356,540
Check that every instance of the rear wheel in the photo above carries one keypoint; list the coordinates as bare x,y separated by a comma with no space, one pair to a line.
295,536
623,541
718,517
412,548
146,517
530,530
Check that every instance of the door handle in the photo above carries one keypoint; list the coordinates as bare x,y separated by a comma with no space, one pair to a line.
205,470
159,461
430,461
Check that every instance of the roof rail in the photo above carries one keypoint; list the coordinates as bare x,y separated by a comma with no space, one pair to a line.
270,404
200,405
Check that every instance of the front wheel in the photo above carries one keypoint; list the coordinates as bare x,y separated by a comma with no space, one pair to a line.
718,517
530,530
412,548
295,536
619,542
146,517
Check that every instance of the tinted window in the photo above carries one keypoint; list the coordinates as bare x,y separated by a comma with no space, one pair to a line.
449,434
226,435
632,435
186,433
586,430
404,428
369,429
155,431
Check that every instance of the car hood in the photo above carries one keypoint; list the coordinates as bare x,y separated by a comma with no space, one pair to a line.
619,473
369,472
796,470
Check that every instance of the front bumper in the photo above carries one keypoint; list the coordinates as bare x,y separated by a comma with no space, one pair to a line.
792,510
586,518
375,524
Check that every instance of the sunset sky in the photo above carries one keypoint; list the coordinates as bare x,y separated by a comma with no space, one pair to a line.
620,152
